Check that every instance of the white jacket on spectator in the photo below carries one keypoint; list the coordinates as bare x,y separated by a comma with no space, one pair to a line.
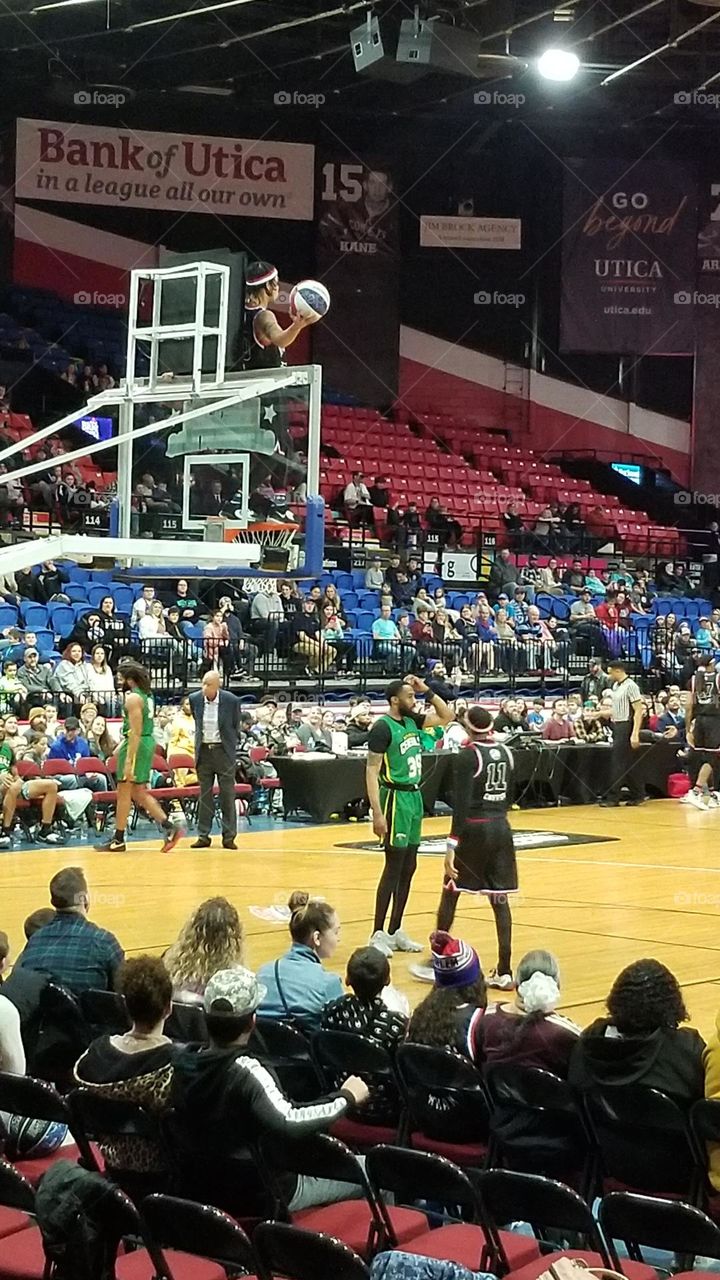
71,677
100,681
355,494
12,1053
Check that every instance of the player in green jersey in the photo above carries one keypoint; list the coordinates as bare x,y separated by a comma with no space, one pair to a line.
394,776
134,762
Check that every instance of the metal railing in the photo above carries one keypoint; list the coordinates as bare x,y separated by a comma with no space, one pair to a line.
363,665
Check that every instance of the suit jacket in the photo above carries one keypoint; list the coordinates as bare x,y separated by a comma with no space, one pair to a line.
228,720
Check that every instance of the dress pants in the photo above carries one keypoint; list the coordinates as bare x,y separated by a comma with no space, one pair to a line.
214,762
624,763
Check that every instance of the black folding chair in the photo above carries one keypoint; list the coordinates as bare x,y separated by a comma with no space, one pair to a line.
186,1023
115,1220
645,1221
63,1037
705,1128
644,1141
228,1180
105,1013
549,1207
199,1230
340,1054
287,1050
365,1224
17,1203
421,1177
537,1124
15,1190
110,1121
21,1247
39,1100
448,1110
294,1254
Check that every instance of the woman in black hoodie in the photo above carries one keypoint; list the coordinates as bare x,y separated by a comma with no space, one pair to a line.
642,1042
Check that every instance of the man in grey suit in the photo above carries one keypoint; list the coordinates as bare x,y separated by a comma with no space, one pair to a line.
217,724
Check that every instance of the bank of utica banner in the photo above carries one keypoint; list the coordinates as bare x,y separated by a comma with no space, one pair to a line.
106,165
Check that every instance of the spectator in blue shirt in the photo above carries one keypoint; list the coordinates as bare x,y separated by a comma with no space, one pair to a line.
672,722
70,745
517,607
70,949
388,644
704,636
297,985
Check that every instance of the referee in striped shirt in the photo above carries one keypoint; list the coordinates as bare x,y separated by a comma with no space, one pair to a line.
627,717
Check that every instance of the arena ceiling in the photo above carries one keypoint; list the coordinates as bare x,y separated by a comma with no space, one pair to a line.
664,55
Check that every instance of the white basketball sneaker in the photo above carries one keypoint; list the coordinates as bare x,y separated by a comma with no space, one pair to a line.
382,941
500,981
423,972
698,799
401,942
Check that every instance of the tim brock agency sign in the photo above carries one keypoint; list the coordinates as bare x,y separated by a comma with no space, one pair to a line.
628,257
93,164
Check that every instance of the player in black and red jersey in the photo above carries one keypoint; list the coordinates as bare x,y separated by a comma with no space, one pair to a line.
480,854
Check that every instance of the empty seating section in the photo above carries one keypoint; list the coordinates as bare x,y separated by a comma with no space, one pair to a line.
475,476
57,332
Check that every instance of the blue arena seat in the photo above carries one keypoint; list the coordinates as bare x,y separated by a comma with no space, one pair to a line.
35,615
368,599
123,597
365,620
97,591
8,615
45,641
62,618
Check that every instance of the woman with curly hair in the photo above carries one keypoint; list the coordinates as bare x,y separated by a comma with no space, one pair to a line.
211,939
641,1041
447,1018
135,1067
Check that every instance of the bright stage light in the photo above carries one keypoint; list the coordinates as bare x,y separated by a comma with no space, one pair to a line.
558,64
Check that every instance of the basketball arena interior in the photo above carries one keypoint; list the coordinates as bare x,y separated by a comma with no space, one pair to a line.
359,639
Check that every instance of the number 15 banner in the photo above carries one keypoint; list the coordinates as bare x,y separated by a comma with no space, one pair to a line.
357,258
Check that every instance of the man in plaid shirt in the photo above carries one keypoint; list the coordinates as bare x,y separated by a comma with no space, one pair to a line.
71,950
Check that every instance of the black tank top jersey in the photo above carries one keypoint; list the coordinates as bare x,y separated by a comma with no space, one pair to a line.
706,691
482,783
254,355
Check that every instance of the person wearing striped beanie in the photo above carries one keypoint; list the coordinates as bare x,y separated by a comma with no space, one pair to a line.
449,1014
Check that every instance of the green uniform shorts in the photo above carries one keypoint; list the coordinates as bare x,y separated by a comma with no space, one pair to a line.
403,811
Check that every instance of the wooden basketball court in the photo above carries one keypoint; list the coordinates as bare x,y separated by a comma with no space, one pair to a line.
653,889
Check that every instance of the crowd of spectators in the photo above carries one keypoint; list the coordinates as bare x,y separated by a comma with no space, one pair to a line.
272,728
558,528
406,526
224,1093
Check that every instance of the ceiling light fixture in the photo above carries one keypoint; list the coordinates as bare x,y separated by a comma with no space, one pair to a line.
189,13
61,4
558,64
